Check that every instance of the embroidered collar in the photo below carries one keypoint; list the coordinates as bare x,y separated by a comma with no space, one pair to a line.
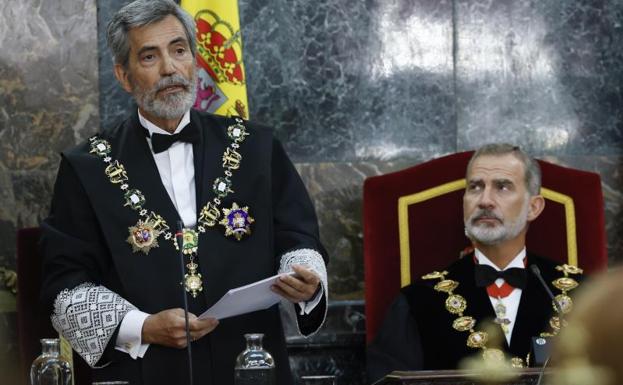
144,235
457,304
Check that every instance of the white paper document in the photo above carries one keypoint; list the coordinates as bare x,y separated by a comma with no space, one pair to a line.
245,299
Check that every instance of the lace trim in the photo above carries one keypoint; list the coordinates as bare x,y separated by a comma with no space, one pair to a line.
87,317
312,260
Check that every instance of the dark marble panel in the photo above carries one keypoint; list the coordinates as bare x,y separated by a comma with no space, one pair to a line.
114,102
337,349
336,190
543,74
352,80
48,102
48,91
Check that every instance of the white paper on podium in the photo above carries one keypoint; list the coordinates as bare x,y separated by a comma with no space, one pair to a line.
245,299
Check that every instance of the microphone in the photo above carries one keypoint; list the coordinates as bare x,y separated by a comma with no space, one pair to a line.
536,271
542,371
539,344
179,237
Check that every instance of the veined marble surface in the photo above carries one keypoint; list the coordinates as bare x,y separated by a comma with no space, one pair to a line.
353,89
48,102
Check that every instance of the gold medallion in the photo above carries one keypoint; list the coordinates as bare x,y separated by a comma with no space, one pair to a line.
435,275
446,286
477,340
464,324
190,243
565,284
569,269
456,304
192,280
565,303
517,362
143,237
237,221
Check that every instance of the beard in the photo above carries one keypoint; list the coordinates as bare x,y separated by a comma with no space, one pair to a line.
169,106
494,235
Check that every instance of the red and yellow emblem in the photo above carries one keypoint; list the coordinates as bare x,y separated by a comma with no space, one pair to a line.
221,78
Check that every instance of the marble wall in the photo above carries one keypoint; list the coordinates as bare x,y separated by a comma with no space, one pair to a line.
353,88
48,101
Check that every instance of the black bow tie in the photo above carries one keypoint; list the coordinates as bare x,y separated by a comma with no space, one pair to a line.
486,275
161,142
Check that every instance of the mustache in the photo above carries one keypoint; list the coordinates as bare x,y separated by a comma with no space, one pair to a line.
481,214
173,80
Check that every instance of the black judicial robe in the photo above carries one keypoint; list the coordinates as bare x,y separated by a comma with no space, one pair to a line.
417,332
84,240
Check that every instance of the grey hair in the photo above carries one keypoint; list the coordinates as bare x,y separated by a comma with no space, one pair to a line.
141,13
532,170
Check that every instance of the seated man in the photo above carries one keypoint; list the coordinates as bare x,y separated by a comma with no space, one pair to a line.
439,320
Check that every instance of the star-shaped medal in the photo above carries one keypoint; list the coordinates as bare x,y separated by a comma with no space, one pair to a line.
143,237
237,221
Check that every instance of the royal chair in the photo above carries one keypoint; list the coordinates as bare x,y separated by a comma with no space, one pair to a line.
33,322
413,224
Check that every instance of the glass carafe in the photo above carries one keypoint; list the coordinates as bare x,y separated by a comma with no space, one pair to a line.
49,368
254,366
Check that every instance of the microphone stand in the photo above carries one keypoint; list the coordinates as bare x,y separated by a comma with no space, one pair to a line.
542,372
179,237
537,272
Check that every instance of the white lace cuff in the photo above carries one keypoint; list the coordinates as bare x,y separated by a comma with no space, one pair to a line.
311,259
87,317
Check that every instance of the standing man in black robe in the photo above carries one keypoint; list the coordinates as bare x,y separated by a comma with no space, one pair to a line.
438,320
112,271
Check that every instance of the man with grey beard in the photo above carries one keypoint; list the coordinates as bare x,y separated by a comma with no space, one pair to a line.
439,320
223,186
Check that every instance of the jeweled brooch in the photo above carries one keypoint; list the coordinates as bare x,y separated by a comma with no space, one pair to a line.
237,221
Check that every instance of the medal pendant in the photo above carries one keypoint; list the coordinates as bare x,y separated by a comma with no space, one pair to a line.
192,280
190,242
237,221
143,237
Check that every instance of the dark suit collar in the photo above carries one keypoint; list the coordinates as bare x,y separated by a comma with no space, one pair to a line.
207,155
478,303
532,314
534,311
198,160
136,157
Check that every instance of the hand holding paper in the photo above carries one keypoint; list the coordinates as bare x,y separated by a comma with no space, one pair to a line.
246,299
300,287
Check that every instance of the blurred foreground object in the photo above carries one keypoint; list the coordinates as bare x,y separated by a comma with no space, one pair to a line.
590,350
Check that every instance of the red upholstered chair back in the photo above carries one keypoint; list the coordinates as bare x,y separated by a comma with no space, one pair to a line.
413,224
33,322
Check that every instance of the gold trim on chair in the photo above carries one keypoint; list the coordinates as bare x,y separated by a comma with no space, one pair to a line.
567,201
403,222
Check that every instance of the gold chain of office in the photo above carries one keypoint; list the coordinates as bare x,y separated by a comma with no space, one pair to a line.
456,304
144,235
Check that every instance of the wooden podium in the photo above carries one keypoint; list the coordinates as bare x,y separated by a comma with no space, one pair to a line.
528,376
